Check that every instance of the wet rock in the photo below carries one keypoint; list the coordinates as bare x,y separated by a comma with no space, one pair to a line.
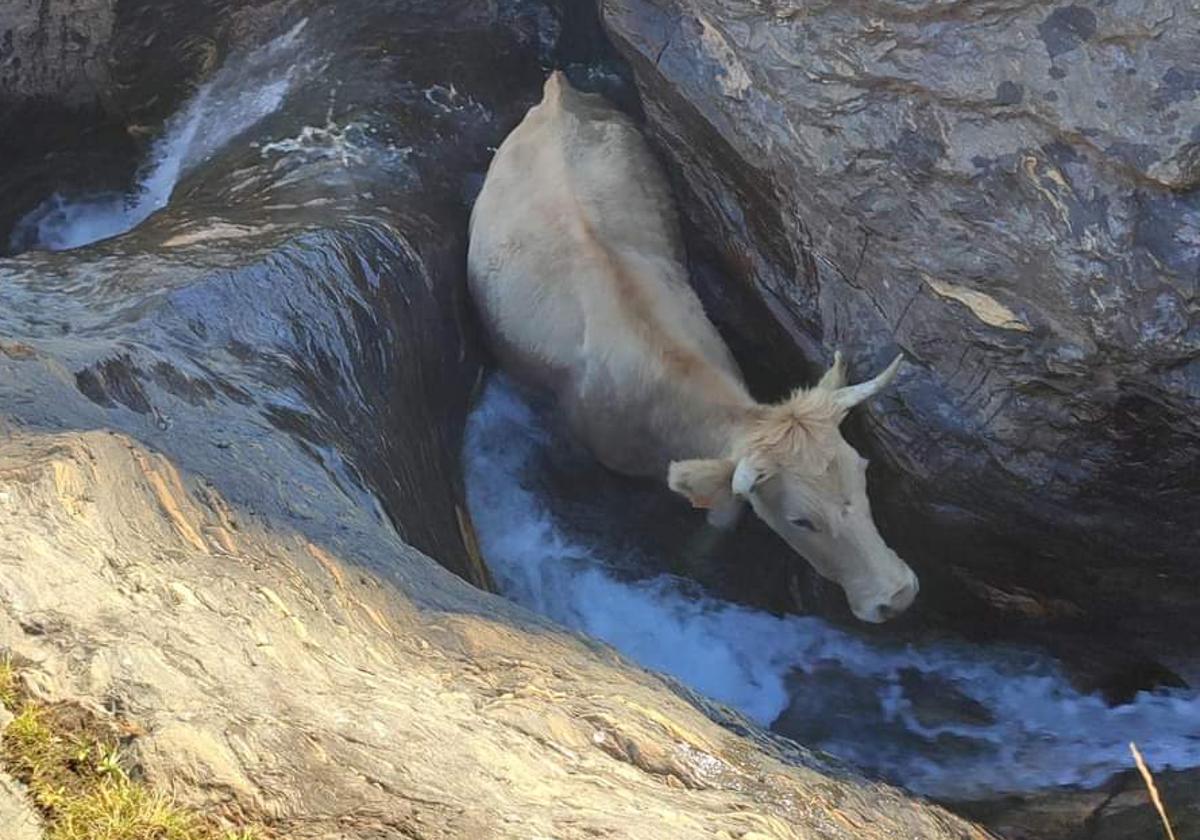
1122,810
55,63
809,718
309,282
936,702
1008,193
273,675
1062,815
1130,813
1121,681
86,84
910,714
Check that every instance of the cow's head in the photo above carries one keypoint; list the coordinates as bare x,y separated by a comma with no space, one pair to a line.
804,480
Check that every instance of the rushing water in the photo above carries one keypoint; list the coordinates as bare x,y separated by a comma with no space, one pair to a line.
951,720
237,97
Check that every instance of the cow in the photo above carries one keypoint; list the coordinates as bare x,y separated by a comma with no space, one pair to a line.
575,264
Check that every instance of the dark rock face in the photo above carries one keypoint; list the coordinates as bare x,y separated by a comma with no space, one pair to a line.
85,84
54,71
1008,193
1122,809
57,49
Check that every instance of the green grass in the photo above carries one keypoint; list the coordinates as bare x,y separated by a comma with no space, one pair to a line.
71,762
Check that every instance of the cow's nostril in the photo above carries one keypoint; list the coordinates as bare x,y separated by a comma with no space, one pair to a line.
904,597
885,609
899,601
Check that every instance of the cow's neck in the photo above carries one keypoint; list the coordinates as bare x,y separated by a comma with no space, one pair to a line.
710,416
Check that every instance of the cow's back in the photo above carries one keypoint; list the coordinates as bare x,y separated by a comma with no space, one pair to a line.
575,260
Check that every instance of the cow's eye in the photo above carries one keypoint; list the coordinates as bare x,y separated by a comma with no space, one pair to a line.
803,522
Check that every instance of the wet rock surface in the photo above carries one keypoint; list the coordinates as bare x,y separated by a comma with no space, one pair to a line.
228,453
1122,809
86,84
1008,193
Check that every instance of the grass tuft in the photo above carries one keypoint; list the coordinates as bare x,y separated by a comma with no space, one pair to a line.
8,683
77,776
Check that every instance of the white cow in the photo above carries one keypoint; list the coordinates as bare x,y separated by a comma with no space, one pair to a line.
576,268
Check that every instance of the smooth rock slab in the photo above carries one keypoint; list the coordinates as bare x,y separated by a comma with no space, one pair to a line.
273,680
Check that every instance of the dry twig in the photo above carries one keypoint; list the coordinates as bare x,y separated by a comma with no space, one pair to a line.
1150,786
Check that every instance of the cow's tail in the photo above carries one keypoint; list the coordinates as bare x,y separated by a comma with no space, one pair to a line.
556,85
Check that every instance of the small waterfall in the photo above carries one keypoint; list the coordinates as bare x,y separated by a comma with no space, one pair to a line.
951,720
238,96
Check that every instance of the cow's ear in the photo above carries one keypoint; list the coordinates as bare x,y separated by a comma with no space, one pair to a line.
725,516
704,482
835,377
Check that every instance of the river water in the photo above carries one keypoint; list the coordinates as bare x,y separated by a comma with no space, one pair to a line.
951,720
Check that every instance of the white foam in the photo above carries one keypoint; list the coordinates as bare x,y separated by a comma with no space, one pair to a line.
1043,732
234,100
355,144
